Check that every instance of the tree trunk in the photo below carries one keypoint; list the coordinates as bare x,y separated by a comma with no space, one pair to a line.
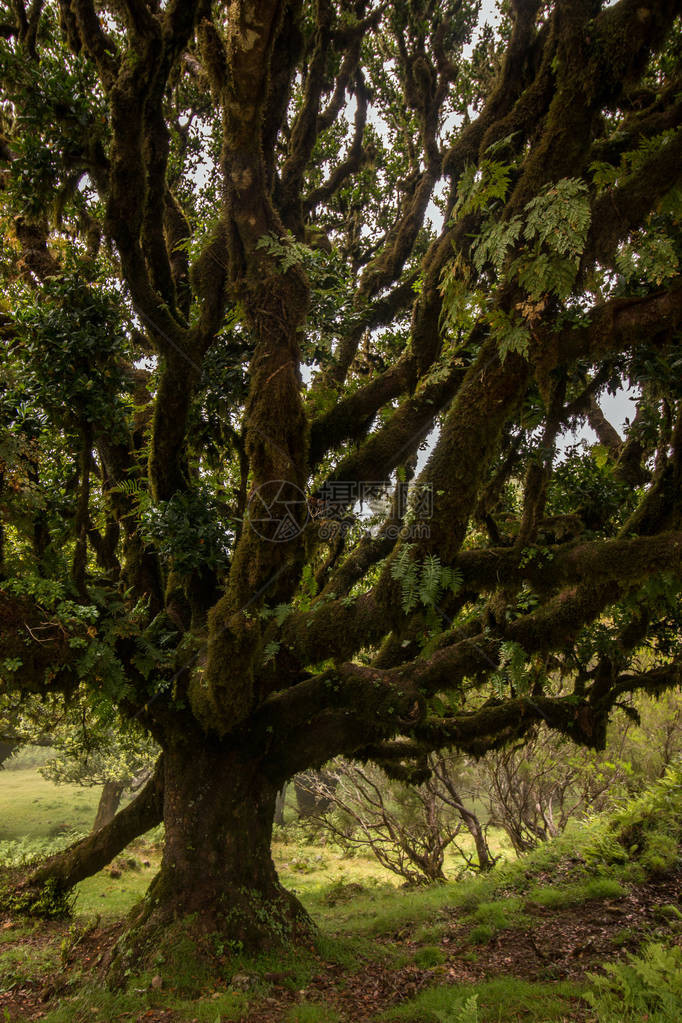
280,803
108,803
6,751
217,885
311,788
486,861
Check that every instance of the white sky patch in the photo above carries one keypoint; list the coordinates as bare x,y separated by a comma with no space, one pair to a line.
619,409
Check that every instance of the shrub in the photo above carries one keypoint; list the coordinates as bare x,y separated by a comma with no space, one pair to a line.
429,956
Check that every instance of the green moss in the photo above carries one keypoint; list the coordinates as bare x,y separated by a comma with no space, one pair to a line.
187,965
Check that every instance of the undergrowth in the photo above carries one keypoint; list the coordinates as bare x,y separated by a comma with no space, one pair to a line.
644,987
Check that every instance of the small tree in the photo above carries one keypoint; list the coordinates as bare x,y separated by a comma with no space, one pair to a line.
407,827
532,790
109,753
450,773
89,744
402,829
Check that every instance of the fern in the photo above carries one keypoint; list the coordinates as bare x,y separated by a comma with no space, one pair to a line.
430,581
425,583
270,651
464,1012
479,189
495,242
404,570
648,986
650,257
462,304
285,250
559,217
511,333
282,612
514,670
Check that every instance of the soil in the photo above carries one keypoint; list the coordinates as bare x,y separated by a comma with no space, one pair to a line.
560,944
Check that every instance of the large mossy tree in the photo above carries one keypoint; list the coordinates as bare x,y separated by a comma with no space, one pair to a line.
256,251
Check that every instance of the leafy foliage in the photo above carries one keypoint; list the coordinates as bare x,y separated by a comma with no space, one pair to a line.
646,985
423,584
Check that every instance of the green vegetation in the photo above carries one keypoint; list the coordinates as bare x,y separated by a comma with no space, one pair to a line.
21,964
493,1001
370,926
312,315
32,808
574,894
645,987
255,258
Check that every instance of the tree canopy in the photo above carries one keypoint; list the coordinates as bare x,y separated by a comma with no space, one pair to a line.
257,260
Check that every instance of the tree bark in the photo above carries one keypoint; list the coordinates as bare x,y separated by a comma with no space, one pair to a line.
217,884
6,751
109,802
310,788
485,860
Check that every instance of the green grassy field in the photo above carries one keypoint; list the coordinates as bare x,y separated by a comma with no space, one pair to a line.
32,807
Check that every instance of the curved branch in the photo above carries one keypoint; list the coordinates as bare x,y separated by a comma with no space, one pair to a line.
96,850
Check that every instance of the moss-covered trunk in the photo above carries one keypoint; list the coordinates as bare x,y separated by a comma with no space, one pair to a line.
217,886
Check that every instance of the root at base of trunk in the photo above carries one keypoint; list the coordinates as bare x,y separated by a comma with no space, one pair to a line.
191,947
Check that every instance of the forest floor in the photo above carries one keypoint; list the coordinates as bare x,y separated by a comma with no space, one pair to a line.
522,943
531,963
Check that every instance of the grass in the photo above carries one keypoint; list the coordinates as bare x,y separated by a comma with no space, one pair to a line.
492,1001
43,817
32,807
573,894
94,1003
429,956
105,896
21,964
